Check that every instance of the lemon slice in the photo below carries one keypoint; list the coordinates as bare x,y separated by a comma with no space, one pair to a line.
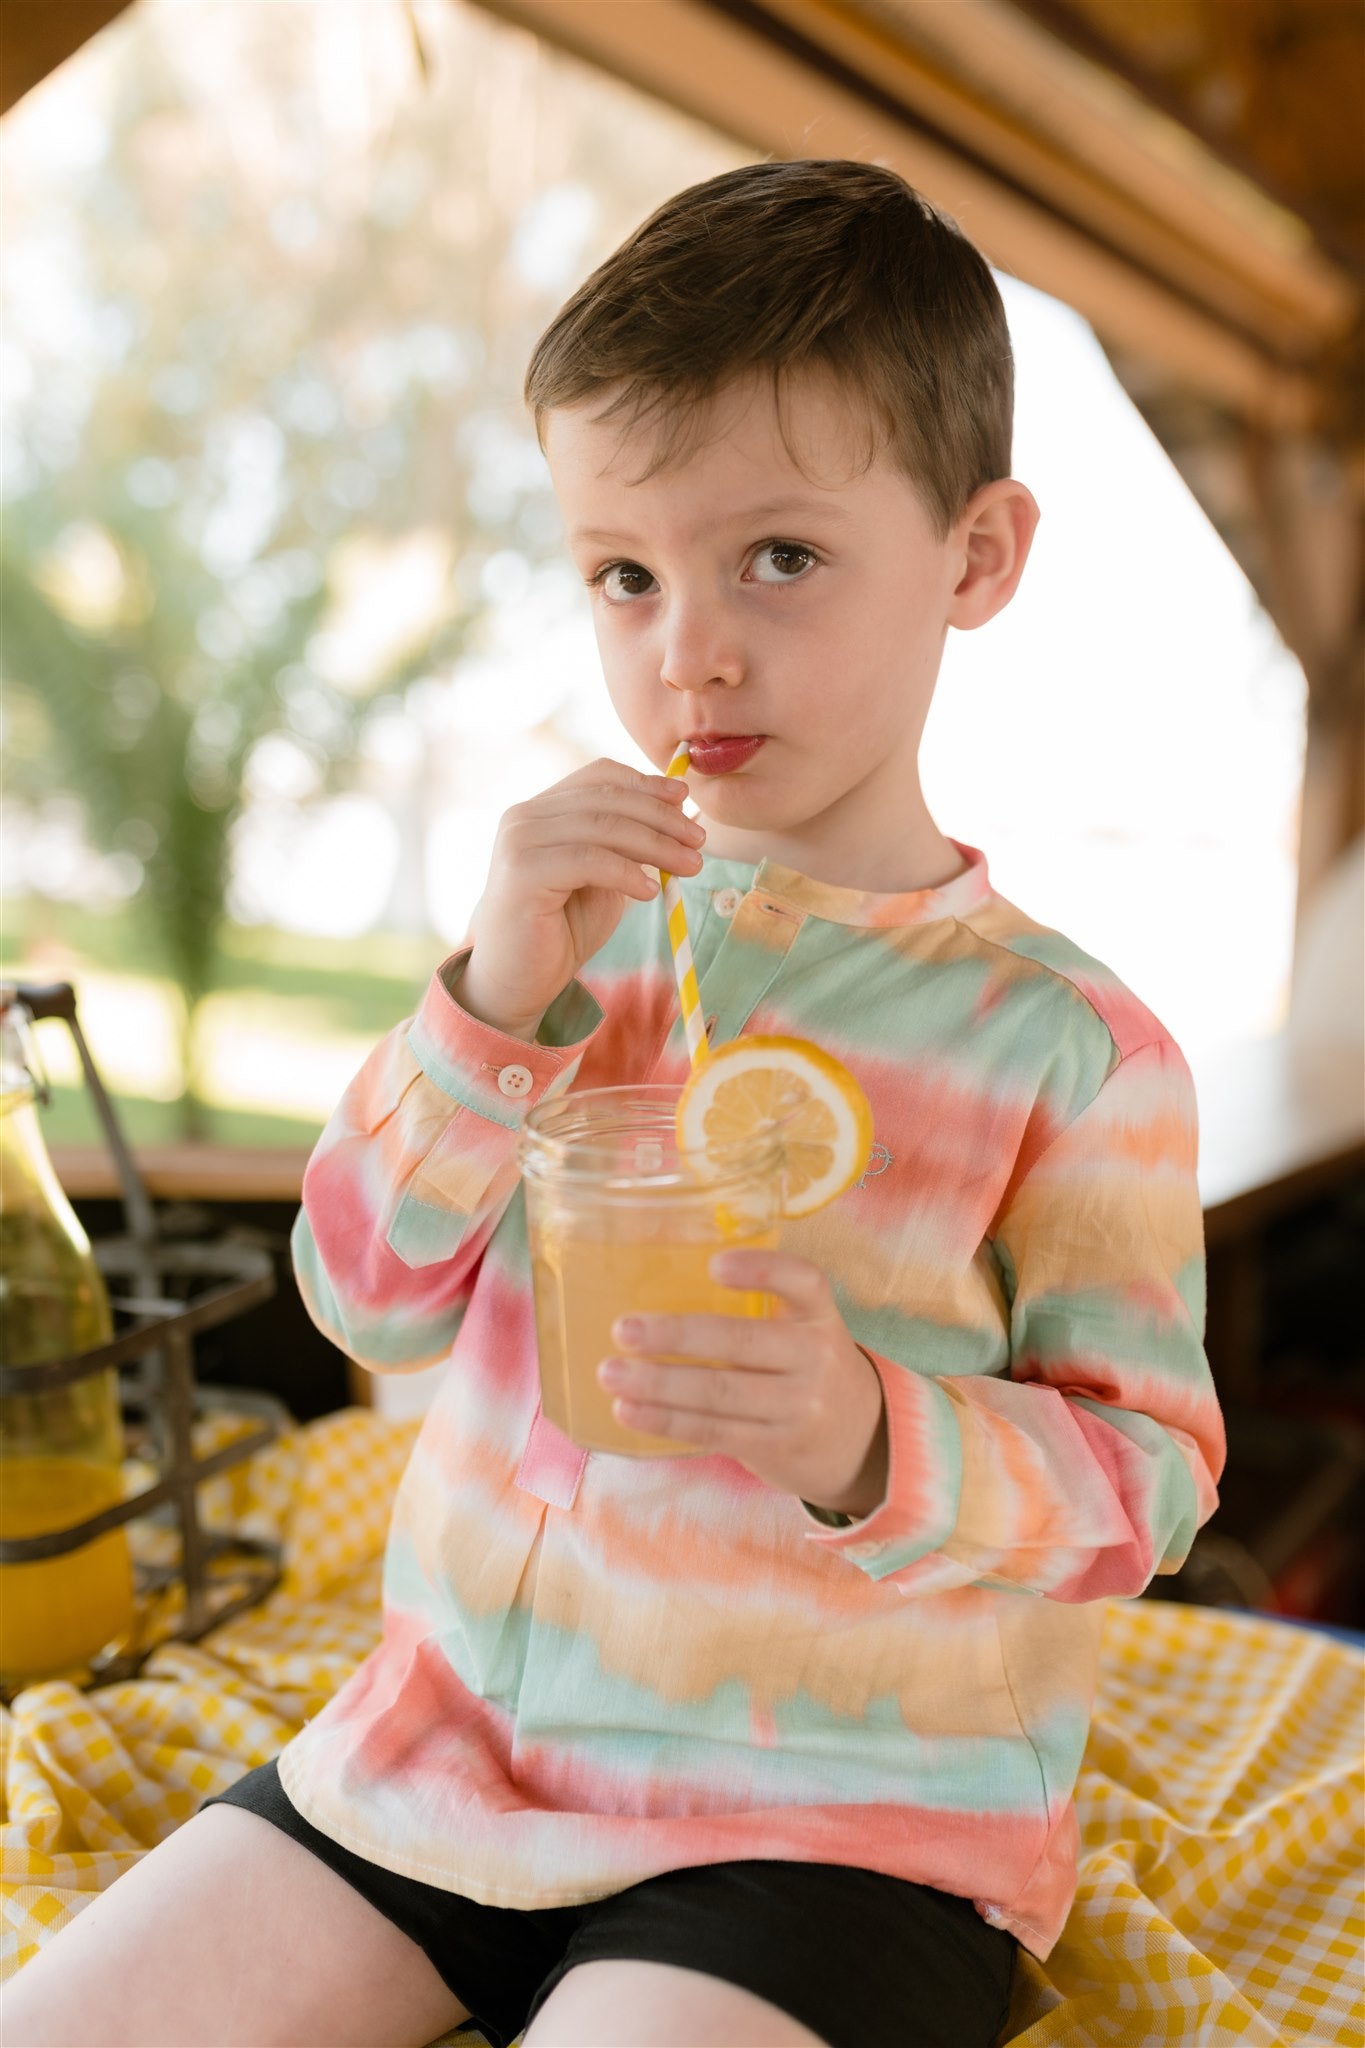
803,1095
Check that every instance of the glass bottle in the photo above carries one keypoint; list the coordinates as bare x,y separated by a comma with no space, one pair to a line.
61,1448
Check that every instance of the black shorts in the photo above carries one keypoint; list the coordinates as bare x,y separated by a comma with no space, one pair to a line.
862,1960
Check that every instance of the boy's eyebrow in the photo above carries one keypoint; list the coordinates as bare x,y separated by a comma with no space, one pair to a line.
750,515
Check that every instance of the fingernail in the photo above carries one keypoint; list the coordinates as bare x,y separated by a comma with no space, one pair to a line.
629,1330
611,1372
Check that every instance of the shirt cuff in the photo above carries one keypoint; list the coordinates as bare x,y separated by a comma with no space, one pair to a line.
496,1076
924,1478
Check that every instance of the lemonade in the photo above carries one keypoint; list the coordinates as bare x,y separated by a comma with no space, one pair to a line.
57,1613
583,1283
61,1445
620,1221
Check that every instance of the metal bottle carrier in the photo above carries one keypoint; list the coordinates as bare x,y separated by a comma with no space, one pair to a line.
163,1294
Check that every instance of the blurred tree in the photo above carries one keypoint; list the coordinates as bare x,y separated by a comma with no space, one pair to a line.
156,748
271,282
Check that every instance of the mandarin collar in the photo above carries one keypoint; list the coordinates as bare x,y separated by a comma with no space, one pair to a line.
867,907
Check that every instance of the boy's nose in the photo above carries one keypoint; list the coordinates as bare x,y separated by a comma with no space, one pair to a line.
698,653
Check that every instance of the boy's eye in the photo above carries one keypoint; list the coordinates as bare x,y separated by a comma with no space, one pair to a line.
782,561
623,580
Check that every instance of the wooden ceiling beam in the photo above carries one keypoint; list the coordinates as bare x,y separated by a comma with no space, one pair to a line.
991,81
703,60
38,35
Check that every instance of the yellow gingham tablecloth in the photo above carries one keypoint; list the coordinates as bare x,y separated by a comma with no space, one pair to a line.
1220,1800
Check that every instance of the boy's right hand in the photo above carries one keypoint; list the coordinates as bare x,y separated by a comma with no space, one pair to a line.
564,866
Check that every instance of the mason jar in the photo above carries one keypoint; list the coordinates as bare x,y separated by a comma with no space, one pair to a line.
622,1222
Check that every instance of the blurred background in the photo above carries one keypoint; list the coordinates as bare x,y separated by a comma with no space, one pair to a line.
288,623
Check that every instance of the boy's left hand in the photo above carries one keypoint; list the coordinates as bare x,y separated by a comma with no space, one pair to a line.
791,1397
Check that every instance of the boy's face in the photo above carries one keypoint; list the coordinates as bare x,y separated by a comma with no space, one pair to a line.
804,606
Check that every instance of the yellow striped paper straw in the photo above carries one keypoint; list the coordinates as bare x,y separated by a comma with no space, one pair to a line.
684,972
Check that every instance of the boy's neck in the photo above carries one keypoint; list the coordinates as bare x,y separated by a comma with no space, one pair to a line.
892,856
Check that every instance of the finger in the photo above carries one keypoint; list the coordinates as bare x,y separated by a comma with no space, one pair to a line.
722,1340
667,849
644,805
748,1442
563,869
628,836
620,776
798,1283
691,1390
559,871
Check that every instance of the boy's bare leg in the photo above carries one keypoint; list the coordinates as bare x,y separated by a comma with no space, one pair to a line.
654,2005
229,1934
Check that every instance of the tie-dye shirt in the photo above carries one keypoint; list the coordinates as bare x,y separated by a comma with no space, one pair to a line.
597,1668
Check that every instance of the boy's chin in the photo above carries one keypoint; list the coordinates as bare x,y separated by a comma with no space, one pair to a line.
727,800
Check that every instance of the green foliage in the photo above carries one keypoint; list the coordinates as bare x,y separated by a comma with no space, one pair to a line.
155,740
286,329
316,988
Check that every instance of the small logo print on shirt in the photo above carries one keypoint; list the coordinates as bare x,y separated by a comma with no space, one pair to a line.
878,1164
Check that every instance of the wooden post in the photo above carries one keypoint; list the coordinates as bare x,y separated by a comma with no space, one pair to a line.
1310,508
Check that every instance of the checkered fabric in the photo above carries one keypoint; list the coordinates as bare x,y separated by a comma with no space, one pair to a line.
1220,1801
1220,1805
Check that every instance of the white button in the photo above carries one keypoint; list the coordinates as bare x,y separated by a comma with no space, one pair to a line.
515,1081
864,1551
727,901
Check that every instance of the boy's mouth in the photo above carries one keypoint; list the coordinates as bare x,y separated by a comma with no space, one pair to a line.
720,753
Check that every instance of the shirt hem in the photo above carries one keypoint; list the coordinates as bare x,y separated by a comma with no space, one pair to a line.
1038,1941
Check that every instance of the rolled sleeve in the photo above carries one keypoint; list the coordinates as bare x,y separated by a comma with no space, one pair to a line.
416,1167
480,1067
1090,1465
923,1486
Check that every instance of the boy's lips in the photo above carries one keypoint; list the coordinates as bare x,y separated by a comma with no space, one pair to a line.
720,753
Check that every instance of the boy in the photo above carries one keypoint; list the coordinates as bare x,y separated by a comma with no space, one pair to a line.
775,1745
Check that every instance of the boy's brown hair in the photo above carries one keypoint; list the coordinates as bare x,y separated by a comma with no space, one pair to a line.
823,264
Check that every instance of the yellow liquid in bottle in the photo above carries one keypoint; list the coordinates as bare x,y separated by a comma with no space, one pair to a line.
583,1284
60,1447
57,1613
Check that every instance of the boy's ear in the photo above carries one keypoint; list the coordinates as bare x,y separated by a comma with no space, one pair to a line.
994,535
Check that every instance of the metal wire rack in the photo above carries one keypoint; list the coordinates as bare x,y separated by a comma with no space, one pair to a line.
164,1296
